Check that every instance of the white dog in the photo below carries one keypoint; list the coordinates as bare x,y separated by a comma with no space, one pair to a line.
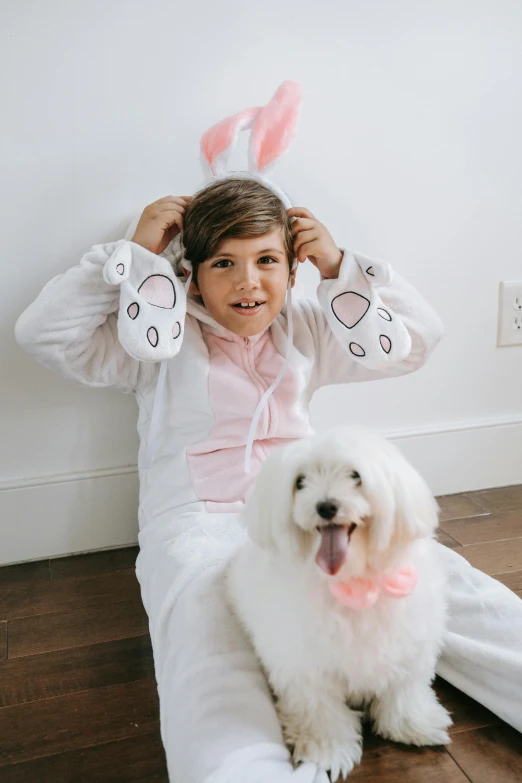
340,588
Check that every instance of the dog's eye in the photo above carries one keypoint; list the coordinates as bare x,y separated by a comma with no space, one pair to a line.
299,482
355,476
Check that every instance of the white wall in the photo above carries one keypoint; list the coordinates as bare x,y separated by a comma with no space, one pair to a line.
409,148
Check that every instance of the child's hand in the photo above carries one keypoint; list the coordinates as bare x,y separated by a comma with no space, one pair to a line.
161,222
313,240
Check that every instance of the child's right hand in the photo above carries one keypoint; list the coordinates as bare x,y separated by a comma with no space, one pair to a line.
161,222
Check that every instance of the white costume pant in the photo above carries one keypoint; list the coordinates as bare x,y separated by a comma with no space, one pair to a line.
218,722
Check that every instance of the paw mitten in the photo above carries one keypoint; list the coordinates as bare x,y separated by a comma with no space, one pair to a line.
368,329
152,303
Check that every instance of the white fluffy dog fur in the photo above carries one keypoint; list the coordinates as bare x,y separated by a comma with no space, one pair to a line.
327,662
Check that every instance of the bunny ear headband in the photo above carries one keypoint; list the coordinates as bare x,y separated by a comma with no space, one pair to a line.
272,129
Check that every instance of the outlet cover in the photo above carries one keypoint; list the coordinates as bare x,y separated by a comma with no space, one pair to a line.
510,313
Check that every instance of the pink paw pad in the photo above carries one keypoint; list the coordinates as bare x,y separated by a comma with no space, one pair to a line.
350,308
152,336
158,290
357,349
133,310
385,343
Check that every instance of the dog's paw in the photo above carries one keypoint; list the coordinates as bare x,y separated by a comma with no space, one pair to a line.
337,755
420,727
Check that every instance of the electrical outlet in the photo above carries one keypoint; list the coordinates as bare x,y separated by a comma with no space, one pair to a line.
510,313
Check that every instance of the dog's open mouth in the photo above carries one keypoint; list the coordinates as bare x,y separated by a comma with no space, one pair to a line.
334,546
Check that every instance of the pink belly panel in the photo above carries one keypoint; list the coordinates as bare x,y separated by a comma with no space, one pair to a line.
240,372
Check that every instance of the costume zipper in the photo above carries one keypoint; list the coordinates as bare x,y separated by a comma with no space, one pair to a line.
264,386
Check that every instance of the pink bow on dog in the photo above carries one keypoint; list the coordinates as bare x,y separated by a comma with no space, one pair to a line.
361,593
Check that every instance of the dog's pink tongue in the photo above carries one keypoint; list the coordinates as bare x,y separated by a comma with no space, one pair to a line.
333,549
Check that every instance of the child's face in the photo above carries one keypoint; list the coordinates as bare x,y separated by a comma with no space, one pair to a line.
252,271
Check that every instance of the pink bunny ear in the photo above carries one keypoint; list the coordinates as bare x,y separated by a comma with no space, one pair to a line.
276,124
217,142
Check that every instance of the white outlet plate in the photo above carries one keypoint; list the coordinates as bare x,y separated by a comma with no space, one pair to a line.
510,313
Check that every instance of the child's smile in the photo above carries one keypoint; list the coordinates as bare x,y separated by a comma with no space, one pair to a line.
248,307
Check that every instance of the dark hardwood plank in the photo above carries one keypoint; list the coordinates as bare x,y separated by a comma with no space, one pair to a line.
79,720
23,599
25,572
81,627
512,580
459,506
497,557
70,671
489,754
128,760
94,562
3,642
466,712
478,530
501,500
444,538
384,762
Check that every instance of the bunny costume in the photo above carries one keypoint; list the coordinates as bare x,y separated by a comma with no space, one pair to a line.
122,318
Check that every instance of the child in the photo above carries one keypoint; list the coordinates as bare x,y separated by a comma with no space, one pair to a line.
217,718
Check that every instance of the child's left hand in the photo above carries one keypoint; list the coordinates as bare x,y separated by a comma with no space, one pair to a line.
313,240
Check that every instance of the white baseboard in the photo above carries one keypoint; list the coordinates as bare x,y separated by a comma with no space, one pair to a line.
466,456
61,515
48,516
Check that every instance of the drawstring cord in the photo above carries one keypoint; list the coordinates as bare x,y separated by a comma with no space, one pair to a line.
271,389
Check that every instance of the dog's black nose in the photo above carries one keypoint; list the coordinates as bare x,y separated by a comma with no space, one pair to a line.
327,509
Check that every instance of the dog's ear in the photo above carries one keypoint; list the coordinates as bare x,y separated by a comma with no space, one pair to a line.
268,512
416,510
402,503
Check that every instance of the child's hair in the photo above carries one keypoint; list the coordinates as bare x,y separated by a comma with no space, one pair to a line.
232,207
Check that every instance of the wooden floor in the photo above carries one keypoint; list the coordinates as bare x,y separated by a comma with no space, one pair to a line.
78,699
